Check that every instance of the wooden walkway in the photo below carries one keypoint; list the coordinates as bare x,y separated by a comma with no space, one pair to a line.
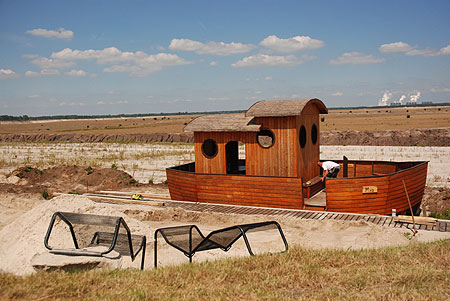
381,220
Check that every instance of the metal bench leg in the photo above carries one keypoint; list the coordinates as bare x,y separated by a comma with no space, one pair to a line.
156,249
144,245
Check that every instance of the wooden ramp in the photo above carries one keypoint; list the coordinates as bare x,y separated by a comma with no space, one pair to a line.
317,202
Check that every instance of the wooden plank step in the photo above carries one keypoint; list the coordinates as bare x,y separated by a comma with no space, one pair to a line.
420,220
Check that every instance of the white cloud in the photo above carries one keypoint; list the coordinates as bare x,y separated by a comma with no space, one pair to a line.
214,48
135,63
60,33
8,74
445,50
338,94
45,63
356,58
293,44
71,104
179,100
395,47
34,96
401,47
272,61
43,72
76,73
30,56
213,64
268,78
119,102
218,98
434,90
100,102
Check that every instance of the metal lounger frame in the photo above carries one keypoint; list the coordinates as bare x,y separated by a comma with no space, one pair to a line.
101,220
208,243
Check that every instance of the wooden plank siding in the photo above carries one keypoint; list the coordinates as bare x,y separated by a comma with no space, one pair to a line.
310,154
217,165
235,189
345,195
280,159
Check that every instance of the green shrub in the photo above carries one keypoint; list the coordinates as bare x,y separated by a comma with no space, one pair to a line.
114,166
89,170
44,194
132,181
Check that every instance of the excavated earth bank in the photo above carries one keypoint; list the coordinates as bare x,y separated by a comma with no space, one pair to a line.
411,137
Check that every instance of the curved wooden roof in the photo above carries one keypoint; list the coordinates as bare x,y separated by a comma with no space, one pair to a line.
280,108
222,123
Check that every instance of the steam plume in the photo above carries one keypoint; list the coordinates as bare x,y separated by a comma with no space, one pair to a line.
383,101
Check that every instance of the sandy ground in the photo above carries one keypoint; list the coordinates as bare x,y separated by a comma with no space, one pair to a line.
18,248
24,217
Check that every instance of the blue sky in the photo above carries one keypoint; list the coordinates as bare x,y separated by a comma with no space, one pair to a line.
112,57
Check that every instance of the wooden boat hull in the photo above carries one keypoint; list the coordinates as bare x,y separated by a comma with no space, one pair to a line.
342,194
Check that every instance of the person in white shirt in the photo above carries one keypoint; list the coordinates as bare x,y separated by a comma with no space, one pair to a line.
330,169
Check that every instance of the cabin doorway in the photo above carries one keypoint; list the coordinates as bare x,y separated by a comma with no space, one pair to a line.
235,156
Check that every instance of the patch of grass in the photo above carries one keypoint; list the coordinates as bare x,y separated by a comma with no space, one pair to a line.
133,181
114,166
413,272
445,215
89,170
44,194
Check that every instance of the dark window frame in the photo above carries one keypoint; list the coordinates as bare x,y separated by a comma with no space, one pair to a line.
215,147
302,136
271,134
314,134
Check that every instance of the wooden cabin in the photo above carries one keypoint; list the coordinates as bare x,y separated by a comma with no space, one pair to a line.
281,139
268,157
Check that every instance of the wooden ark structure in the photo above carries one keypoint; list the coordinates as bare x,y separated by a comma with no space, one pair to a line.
268,157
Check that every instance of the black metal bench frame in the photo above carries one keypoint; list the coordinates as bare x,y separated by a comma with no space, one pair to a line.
208,243
121,243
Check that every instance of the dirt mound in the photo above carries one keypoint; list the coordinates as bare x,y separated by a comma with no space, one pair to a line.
67,179
411,137
436,200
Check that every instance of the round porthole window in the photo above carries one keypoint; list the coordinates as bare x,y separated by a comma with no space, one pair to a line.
314,134
209,148
302,136
265,138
